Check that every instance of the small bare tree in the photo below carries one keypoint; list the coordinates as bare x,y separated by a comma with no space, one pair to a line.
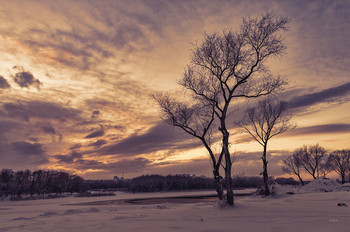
293,164
263,122
340,160
312,159
230,66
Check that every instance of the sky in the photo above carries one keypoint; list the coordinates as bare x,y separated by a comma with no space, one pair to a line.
77,79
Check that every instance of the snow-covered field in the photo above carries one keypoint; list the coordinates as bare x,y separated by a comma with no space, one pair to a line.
309,209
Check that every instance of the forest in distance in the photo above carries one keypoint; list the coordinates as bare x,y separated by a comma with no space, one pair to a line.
42,184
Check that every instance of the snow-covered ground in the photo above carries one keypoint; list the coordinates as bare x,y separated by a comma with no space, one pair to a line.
309,209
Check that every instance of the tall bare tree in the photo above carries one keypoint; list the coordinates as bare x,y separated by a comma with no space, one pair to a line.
263,122
293,164
232,65
340,160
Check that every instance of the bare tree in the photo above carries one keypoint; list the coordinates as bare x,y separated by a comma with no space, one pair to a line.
312,159
232,65
294,165
195,120
263,122
341,163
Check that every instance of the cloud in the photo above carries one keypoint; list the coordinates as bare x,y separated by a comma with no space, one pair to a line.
196,166
22,154
159,137
95,114
6,127
98,143
70,158
40,109
336,128
67,46
50,130
319,129
4,83
64,159
26,79
321,96
125,165
76,146
27,149
98,133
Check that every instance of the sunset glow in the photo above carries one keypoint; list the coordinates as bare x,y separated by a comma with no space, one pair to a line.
89,70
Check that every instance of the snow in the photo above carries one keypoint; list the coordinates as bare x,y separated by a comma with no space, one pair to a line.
309,209
321,185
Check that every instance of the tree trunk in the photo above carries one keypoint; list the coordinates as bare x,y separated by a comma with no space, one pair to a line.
229,192
343,178
265,175
218,183
228,166
301,181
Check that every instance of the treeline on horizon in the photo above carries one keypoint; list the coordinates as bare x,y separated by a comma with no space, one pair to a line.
52,183
38,184
157,183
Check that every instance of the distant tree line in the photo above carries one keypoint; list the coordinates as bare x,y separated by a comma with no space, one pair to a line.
39,183
317,161
107,185
156,183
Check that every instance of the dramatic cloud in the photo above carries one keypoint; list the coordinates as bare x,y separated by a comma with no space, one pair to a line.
319,129
64,159
336,128
125,165
27,149
3,83
70,158
98,143
322,96
39,109
159,137
26,79
22,154
97,133
76,146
